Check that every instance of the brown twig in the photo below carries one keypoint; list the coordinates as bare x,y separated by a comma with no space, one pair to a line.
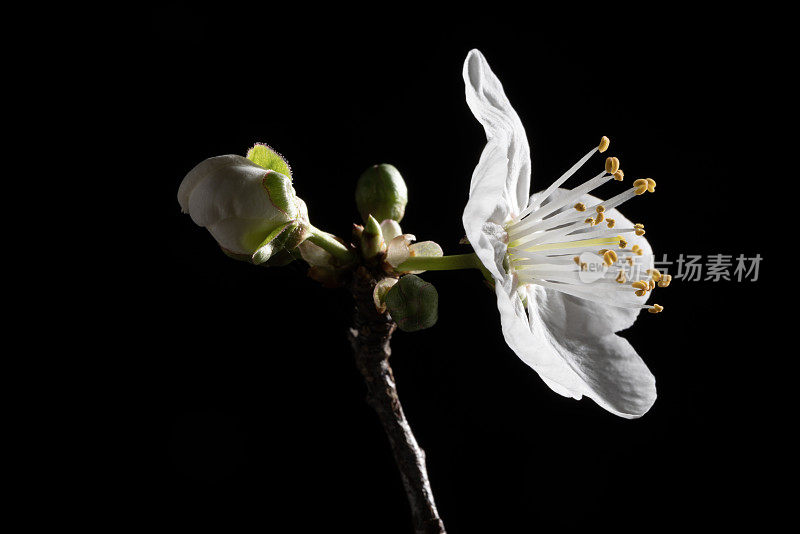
370,340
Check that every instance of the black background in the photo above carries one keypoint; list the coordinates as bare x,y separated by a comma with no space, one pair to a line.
244,406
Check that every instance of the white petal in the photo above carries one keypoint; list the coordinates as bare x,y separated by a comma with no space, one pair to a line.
397,250
486,211
223,187
390,229
530,343
504,130
200,172
612,373
240,236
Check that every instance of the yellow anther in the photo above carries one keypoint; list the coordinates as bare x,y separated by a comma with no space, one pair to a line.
602,251
651,185
640,190
604,142
639,231
621,277
600,209
580,206
599,219
577,260
619,175
623,243
655,273
640,182
612,165
638,225
635,248
609,257
611,223
640,285
630,261
656,309
639,252
589,220
665,280
641,293
651,285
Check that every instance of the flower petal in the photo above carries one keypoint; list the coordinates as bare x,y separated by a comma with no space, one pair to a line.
223,187
397,250
613,374
504,130
530,343
486,211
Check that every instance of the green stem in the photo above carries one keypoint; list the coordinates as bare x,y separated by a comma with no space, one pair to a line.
443,263
330,244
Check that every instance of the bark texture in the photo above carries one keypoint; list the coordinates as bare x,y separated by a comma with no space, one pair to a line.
370,339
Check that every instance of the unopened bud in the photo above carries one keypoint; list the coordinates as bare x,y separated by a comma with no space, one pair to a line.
252,212
382,193
413,303
372,242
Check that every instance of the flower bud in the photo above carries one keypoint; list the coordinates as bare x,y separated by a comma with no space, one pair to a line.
413,303
382,193
372,239
252,212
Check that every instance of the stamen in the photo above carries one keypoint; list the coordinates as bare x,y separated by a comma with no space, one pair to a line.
563,178
539,247
612,165
573,196
609,257
570,244
655,309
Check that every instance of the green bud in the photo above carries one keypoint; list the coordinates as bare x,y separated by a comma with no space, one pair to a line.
413,303
372,239
382,193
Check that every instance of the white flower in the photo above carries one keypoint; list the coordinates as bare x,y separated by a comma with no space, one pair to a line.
537,250
249,210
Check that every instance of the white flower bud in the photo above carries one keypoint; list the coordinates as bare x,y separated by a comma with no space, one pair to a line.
249,210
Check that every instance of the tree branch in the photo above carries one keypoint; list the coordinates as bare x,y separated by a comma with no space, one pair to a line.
370,340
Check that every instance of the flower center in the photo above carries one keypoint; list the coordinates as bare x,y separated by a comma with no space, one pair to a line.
577,249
